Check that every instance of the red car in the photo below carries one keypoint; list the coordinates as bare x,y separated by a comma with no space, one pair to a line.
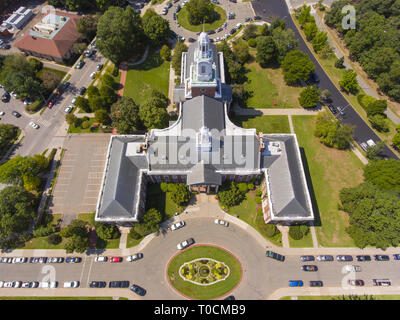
115,259
50,104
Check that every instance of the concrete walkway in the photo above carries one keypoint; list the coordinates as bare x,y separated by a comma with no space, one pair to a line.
285,235
339,53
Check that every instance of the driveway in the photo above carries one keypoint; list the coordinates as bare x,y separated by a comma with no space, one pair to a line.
78,182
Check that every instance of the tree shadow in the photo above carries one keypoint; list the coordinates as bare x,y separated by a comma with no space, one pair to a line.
153,61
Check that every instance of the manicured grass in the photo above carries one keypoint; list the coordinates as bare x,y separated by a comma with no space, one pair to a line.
305,242
153,74
377,297
184,22
73,129
327,171
248,211
88,217
161,201
204,292
268,88
264,124
59,73
132,242
56,298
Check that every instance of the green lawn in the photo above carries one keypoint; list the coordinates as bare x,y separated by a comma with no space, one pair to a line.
204,292
328,171
305,242
161,201
132,242
59,73
73,129
268,88
184,22
264,124
248,212
153,74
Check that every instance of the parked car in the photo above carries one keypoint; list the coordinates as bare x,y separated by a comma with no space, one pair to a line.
314,77
33,125
238,26
16,114
73,101
93,75
344,258
97,284
174,16
115,259
99,67
38,260
27,102
295,283
274,255
307,258
68,109
101,259
134,257
8,284
185,244
351,268
25,284
356,283
332,108
118,284
396,256
19,260
221,222
50,104
14,95
325,258
73,259
82,91
219,29
248,19
55,260
191,40
230,298
381,282
5,97
17,284
257,18
80,64
178,8
381,257
138,290
178,225
316,284
363,258
233,30
309,268
71,284
49,284
33,284
211,32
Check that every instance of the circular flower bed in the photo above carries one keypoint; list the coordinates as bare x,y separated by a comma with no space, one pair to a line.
195,276
204,271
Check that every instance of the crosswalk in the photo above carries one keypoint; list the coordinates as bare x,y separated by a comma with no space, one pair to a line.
41,122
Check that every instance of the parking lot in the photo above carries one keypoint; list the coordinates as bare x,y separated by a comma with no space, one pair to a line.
80,174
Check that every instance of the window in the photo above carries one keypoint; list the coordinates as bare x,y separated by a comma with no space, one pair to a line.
203,69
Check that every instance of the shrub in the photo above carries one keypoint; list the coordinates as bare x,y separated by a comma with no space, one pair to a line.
252,42
339,63
164,186
258,200
242,187
85,124
258,192
165,53
134,235
35,106
295,233
250,186
107,231
54,239
115,71
305,229
270,230
43,231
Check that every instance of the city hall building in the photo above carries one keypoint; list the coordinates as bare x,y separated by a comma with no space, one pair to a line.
203,148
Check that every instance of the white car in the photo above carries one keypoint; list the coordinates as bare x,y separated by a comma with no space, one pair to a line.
1,284
25,285
185,244
178,225
17,284
238,25
351,268
71,284
134,257
14,95
73,101
51,284
8,284
68,109
19,260
34,125
101,259
221,222
27,102
93,75
2,113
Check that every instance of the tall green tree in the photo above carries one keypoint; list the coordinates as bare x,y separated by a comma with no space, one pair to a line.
180,47
385,174
309,97
87,26
349,81
125,116
153,114
267,51
200,11
156,28
296,66
285,41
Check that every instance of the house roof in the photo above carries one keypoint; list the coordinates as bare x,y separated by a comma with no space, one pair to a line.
56,47
203,173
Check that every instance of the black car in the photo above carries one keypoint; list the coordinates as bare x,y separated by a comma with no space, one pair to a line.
230,298
98,284
192,40
80,64
233,31
248,19
118,284
178,8
344,258
16,114
257,18
5,46
307,258
174,15
332,108
314,77
138,290
316,284
381,257
309,268
234,1
363,258
274,255
211,32
82,91
73,260
5,97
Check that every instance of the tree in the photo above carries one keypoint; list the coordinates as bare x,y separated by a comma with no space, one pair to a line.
108,94
83,104
17,210
50,79
270,230
97,103
36,64
376,107
295,232
285,41
310,30
339,63
241,51
326,95
250,31
71,119
87,26
296,66
153,114
149,223
309,97
8,133
266,51
76,227
396,141
349,82
101,116
125,116
108,80
252,42
201,11
133,234
107,231
180,47
31,183
320,41
305,15
229,194
119,33
165,53
385,174
14,170
54,239
156,28
78,48
92,91
379,122
180,193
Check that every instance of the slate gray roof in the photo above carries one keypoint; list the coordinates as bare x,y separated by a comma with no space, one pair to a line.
118,196
203,173
288,187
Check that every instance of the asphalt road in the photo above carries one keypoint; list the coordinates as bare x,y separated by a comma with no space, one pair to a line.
268,10
261,275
